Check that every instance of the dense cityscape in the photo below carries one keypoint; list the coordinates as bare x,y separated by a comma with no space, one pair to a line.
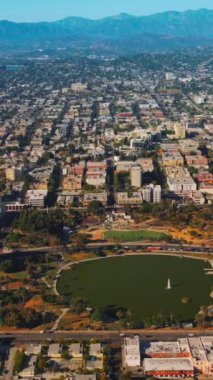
106,204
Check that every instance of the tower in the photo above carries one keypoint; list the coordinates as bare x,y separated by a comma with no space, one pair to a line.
157,194
168,284
180,131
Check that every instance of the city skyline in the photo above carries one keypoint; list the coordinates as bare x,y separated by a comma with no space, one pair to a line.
50,10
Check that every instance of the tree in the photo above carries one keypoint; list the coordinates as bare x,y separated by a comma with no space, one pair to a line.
96,208
22,294
80,240
79,306
19,360
192,170
7,266
64,353
97,315
40,364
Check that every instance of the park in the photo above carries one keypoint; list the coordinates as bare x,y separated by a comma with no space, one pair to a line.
134,236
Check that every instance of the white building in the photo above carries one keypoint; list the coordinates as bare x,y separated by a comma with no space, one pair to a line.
79,87
36,198
202,354
54,351
170,76
152,194
179,180
157,194
178,185
147,194
168,368
132,357
76,350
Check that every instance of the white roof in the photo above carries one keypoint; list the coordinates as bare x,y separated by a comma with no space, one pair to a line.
132,352
36,193
132,342
75,348
95,348
208,347
151,365
33,349
197,349
162,347
54,348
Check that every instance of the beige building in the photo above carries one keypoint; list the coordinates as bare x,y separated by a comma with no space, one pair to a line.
172,159
126,199
180,131
76,350
13,173
136,176
54,351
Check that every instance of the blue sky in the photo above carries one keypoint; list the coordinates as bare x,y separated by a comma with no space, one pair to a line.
40,10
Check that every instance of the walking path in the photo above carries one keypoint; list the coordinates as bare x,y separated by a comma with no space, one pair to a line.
46,283
56,324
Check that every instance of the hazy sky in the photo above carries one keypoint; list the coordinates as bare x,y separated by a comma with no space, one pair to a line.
37,10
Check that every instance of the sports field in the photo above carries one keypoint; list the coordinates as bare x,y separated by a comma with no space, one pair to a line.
131,236
138,283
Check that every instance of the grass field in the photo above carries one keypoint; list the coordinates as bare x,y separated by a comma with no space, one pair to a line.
138,283
129,236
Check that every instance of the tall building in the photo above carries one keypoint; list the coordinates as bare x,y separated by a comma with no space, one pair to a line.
180,131
157,194
13,173
136,176
152,194
147,193
170,76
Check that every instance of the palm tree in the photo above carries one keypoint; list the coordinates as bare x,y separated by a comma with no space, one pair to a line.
160,315
171,317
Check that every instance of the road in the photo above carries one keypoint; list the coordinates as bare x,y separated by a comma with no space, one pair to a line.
105,244
108,336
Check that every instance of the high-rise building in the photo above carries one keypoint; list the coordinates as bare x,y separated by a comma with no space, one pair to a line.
180,131
136,176
13,173
147,193
157,194
152,194
170,76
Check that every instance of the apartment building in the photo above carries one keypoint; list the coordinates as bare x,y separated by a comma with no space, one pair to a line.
96,173
179,180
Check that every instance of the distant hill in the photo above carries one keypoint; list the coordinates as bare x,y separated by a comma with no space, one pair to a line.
161,30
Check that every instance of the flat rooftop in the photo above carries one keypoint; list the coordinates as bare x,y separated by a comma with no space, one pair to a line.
152,365
161,347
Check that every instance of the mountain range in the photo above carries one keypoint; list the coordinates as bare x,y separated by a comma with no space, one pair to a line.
159,31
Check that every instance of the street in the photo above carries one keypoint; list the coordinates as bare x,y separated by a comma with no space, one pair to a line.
106,336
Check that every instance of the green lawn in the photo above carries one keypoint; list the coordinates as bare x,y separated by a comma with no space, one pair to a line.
129,236
138,283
